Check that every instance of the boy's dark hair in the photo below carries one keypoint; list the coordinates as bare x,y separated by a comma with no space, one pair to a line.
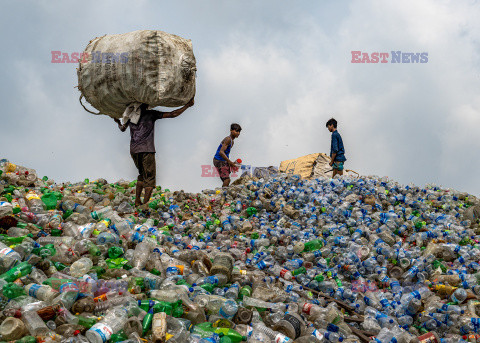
235,127
333,122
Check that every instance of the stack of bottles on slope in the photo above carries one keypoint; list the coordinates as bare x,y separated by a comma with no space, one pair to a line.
268,260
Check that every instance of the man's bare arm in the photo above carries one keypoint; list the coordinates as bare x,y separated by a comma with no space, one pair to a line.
120,126
178,111
225,143
333,158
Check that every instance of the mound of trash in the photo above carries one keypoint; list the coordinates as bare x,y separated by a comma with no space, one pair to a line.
271,259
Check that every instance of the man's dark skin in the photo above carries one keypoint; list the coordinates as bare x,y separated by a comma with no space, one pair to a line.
149,190
225,143
332,128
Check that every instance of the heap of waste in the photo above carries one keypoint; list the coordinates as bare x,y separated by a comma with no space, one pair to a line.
280,259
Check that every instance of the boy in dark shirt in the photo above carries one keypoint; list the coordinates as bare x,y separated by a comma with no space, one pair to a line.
337,150
142,147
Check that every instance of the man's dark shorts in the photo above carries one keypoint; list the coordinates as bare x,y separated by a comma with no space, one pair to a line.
145,163
223,169
338,165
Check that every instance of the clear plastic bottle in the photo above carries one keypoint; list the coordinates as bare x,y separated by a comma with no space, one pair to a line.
280,272
35,204
108,237
228,309
232,291
459,295
34,324
217,280
113,322
41,292
71,229
8,257
277,337
81,267
102,213
141,255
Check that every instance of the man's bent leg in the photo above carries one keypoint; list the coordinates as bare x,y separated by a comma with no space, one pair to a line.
148,194
226,182
138,193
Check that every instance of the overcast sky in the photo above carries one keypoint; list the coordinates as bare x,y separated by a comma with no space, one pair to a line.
279,68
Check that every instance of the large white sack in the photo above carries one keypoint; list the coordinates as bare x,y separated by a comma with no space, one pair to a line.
147,66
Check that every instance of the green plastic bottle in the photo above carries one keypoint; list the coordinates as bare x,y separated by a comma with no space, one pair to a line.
153,204
177,312
60,266
313,245
147,322
86,322
245,291
45,251
118,337
12,290
301,270
208,287
93,249
12,240
16,272
27,339
155,271
147,304
162,306
56,283
206,329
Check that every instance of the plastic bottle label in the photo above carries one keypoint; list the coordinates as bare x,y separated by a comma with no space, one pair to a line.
282,339
85,228
68,287
31,196
104,331
249,331
307,307
318,335
283,272
172,270
33,290
6,251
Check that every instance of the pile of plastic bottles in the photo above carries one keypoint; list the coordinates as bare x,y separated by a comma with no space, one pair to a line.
267,260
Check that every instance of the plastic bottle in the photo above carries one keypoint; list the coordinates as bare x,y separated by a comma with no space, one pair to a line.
34,323
8,257
12,329
110,324
35,204
41,292
81,267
